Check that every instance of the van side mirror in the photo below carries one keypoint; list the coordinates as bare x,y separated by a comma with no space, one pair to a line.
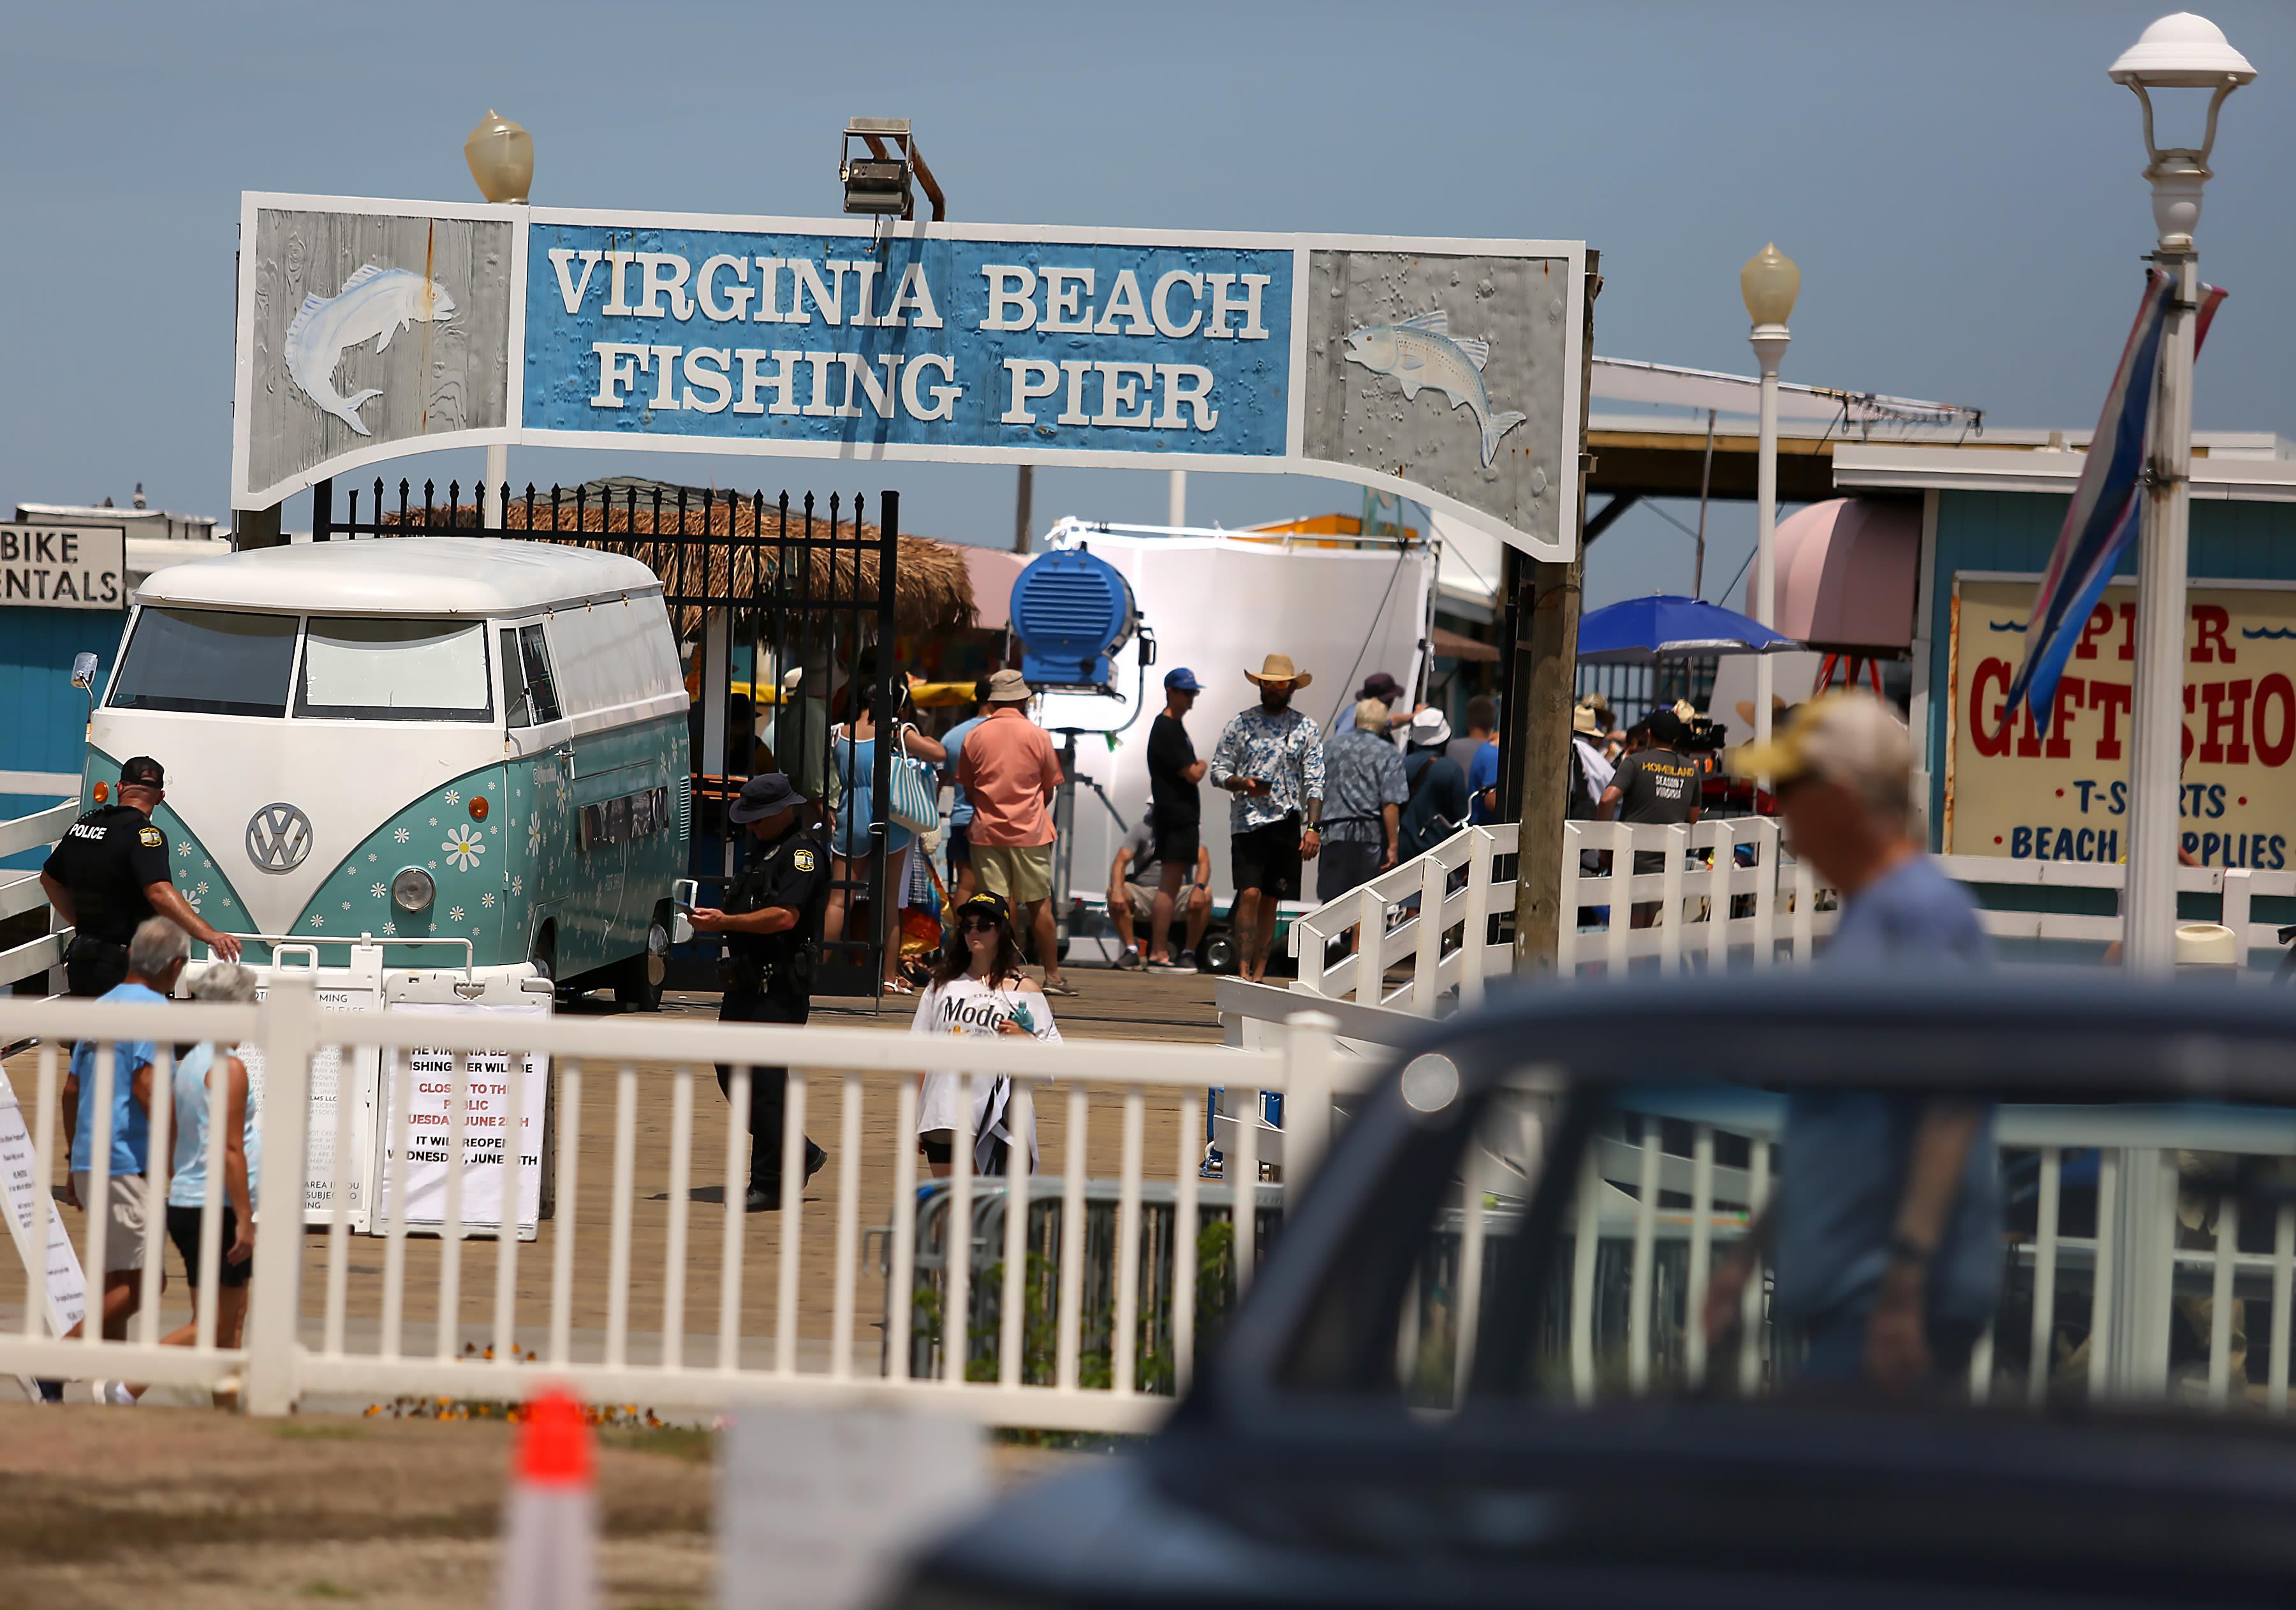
84,670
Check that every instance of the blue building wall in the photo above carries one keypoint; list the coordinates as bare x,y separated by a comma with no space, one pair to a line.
43,717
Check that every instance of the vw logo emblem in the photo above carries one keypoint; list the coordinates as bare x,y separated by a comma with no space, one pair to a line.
278,837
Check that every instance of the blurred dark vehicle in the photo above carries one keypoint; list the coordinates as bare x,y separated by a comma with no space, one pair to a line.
1467,1374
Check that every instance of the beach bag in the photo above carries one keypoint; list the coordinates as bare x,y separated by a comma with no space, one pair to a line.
916,802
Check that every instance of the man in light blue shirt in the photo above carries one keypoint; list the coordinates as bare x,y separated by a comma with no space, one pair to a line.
960,810
1887,1227
156,956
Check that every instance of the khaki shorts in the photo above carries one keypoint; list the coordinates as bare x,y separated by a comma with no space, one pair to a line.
123,1240
1141,899
1021,872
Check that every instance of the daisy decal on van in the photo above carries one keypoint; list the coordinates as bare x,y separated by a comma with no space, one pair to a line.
463,849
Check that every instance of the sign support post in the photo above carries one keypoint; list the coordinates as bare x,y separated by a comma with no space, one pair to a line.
1547,658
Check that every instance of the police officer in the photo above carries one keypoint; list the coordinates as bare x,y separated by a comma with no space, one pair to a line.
772,921
108,873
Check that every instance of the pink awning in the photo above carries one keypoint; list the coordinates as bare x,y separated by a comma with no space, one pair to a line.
993,572
1847,574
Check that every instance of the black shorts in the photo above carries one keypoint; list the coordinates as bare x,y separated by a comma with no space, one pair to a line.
960,848
1345,864
1177,845
1266,859
184,1230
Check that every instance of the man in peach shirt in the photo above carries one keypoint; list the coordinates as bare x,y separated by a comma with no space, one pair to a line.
1009,770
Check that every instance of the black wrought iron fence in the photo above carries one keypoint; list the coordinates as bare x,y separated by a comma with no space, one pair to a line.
809,587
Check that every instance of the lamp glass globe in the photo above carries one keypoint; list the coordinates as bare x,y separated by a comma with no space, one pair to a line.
1769,282
501,155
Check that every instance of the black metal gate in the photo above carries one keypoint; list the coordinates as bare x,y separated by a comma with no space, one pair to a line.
809,590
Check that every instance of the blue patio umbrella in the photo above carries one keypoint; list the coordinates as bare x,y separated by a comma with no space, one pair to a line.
1666,626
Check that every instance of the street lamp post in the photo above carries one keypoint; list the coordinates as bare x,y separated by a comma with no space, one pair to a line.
1769,282
2178,52
501,155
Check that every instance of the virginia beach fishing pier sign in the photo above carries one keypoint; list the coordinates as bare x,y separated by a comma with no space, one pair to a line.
1444,370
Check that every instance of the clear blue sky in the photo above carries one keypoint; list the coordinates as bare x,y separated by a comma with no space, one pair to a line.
1958,181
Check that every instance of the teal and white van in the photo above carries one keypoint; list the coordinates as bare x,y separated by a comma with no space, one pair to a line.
472,751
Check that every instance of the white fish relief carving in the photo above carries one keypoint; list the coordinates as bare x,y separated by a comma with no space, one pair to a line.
374,302
1422,352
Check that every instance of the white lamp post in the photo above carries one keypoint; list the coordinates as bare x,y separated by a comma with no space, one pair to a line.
1769,282
501,155
2178,52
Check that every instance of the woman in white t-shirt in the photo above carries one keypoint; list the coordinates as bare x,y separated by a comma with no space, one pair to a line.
978,989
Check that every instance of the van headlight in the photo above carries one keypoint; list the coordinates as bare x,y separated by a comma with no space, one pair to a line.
413,889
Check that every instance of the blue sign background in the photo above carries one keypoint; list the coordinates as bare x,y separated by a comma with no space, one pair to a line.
1247,387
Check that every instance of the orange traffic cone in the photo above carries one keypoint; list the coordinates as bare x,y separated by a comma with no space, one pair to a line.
550,1527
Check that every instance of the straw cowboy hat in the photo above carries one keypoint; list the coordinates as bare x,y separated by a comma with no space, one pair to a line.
1279,667
1584,722
1746,710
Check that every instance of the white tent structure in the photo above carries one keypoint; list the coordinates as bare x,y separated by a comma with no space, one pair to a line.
1218,602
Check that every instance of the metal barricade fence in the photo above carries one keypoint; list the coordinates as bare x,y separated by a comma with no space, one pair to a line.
1164,1353
293,1349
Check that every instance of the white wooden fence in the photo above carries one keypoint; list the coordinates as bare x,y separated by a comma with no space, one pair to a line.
2161,1252
21,890
595,1075
1727,892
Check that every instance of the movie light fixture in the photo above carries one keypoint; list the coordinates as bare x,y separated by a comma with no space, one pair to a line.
881,177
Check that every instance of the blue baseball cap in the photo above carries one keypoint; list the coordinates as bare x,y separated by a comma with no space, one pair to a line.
1183,680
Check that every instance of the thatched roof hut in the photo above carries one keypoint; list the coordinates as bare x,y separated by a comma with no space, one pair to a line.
713,547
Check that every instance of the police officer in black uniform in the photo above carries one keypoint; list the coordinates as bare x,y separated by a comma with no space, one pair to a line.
108,873
772,923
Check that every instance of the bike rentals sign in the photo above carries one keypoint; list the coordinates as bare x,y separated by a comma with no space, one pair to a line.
1444,370
2011,791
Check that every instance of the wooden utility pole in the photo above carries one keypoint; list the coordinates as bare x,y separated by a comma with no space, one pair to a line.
255,528
1022,497
1545,674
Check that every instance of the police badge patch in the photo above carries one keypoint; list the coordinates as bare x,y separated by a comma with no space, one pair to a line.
802,859
152,838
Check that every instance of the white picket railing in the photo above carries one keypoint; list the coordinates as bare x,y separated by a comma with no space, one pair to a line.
21,890
291,1352
1640,1268
1772,910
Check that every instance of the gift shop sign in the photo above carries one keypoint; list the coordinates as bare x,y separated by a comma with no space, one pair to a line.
1444,370
2012,791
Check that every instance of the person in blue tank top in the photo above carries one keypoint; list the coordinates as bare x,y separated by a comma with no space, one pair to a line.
215,1112
853,750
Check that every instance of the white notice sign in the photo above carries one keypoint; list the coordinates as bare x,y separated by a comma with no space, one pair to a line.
823,1509
67,1289
329,1086
425,1130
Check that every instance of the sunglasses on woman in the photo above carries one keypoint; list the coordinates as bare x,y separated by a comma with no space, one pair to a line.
983,924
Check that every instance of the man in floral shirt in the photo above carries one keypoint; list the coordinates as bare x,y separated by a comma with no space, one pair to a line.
1271,759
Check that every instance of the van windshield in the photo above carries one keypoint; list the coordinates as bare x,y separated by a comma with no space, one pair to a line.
217,662
395,669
